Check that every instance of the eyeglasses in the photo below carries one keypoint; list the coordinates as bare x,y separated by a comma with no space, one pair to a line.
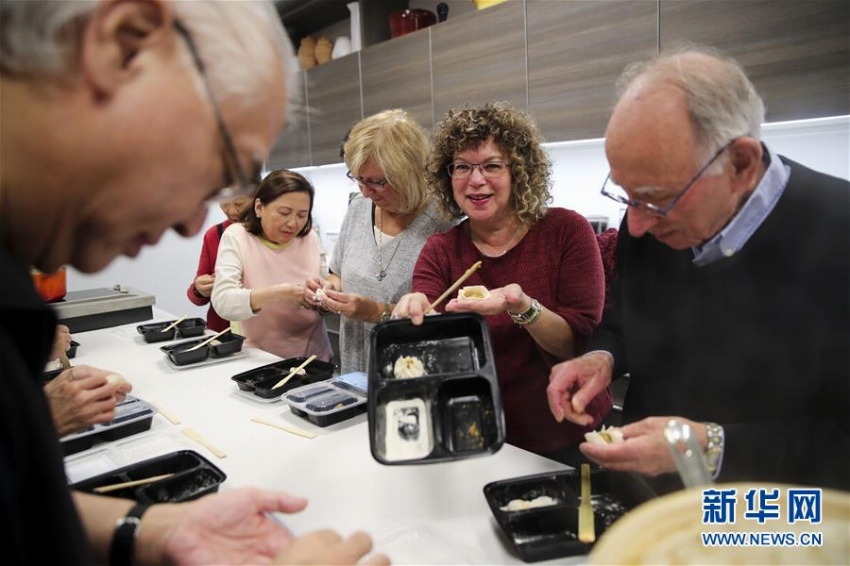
241,186
617,193
463,170
374,185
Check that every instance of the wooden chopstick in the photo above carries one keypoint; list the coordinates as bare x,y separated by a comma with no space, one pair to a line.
454,287
134,483
290,430
208,340
173,324
586,528
164,413
283,381
200,440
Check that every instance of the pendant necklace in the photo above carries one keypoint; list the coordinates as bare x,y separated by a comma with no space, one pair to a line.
382,269
479,244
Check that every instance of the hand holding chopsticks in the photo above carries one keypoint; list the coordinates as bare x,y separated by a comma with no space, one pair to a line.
284,381
454,287
208,340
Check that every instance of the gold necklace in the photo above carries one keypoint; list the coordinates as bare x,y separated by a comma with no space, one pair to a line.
382,269
480,243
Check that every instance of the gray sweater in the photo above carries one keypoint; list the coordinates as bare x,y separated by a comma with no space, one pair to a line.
355,260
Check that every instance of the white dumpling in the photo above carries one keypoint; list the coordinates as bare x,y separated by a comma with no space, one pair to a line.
609,435
473,292
407,367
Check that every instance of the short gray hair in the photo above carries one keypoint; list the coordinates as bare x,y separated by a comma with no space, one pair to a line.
42,37
722,102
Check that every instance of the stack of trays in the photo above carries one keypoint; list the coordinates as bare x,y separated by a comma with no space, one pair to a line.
328,403
542,521
190,476
261,380
185,354
152,332
131,417
453,410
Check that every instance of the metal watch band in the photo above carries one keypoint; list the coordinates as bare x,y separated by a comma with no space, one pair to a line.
528,316
714,448
124,538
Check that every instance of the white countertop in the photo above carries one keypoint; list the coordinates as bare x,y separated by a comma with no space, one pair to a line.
424,514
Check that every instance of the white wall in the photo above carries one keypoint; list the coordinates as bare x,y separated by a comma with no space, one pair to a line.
579,169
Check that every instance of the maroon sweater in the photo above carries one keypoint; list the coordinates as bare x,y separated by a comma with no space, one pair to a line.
206,266
558,263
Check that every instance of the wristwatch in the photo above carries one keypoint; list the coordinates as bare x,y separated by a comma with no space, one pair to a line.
388,311
124,537
714,448
528,316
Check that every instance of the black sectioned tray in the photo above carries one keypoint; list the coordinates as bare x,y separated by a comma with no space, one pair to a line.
132,416
152,332
544,533
193,476
261,380
453,411
182,354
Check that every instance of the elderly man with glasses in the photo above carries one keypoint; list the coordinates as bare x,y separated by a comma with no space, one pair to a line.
730,310
120,120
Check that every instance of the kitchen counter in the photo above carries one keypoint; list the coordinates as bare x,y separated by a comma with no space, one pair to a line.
426,514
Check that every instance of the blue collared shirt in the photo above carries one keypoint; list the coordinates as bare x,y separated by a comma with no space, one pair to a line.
734,236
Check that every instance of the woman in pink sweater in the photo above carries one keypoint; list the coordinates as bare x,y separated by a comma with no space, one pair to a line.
262,263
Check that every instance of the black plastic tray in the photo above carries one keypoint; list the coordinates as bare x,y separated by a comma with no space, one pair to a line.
544,533
72,351
194,476
152,332
261,380
132,416
454,411
336,400
180,354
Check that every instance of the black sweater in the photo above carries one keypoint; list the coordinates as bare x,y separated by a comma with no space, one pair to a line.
758,342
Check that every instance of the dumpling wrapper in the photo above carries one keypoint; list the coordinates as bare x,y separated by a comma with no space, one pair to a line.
473,292
115,379
610,435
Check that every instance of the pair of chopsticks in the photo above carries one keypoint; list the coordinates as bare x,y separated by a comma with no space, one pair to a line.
290,430
208,340
454,287
134,483
286,379
173,324
586,528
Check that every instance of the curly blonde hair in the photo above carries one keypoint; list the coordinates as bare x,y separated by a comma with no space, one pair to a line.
515,134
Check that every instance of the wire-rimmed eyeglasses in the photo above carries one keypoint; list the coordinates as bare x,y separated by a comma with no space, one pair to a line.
374,185
463,170
617,193
241,186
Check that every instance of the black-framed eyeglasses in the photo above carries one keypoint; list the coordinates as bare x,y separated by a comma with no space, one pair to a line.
463,170
617,193
241,186
374,185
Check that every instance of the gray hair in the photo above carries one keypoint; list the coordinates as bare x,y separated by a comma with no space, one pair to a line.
722,102
42,37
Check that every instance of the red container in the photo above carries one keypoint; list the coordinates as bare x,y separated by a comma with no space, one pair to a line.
51,286
407,21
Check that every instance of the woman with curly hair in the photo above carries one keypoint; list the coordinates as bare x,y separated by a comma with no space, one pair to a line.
541,265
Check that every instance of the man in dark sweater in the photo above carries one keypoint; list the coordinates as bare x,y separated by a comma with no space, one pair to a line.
730,309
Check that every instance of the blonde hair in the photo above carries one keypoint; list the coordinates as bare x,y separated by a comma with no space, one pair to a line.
399,147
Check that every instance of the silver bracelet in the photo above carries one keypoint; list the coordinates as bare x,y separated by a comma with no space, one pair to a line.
528,316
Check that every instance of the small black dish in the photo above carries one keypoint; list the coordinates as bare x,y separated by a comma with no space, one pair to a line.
152,332
547,532
72,351
330,402
193,476
184,353
261,380
132,416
